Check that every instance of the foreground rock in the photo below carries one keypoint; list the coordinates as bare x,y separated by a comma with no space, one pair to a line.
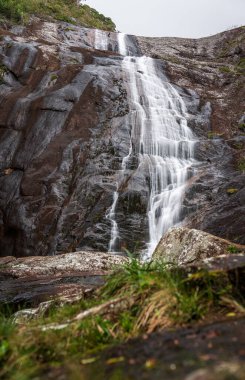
69,277
189,246
210,352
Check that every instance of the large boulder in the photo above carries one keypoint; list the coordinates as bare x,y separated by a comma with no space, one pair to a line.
67,278
189,246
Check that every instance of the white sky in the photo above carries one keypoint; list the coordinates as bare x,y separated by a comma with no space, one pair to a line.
180,18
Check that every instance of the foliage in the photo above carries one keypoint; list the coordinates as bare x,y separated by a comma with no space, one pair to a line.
65,10
159,298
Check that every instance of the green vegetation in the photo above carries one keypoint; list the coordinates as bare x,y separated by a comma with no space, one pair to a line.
231,191
242,127
145,297
225,69
3,70
64,10
214,135
238,69
241,164
232,249
241,66
54,77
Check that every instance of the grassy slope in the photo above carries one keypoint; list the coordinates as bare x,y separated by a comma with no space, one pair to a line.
65,10
156,299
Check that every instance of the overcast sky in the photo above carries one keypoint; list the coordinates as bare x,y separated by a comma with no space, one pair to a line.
180,18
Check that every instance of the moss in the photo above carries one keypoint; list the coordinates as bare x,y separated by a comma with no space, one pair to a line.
214,135
231,191
64,10
54,77
241,165
3,71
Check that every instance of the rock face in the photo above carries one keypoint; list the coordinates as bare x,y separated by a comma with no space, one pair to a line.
64,133
184,246
68,277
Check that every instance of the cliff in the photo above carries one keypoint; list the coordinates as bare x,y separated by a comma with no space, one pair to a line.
64,133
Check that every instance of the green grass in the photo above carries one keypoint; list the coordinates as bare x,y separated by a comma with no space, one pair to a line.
157,298
232,249
19,11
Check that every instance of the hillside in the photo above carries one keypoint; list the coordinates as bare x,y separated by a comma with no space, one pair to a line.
20,11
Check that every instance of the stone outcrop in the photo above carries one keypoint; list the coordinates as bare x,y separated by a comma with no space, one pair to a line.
184,246
67,278
64,132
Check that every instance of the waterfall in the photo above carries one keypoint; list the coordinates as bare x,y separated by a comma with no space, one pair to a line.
161,139
100,40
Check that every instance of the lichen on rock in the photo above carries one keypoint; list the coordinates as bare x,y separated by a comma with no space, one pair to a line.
182,246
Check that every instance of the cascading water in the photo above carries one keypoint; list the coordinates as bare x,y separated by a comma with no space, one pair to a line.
161,139
100,40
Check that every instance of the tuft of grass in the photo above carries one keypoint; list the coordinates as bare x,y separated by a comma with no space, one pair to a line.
64,10
232,249
159,297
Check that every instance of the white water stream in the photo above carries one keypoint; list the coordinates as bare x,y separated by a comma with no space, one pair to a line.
162,140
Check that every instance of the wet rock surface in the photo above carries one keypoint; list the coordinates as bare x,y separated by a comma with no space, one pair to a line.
182,246
67,278
64,132
205,352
